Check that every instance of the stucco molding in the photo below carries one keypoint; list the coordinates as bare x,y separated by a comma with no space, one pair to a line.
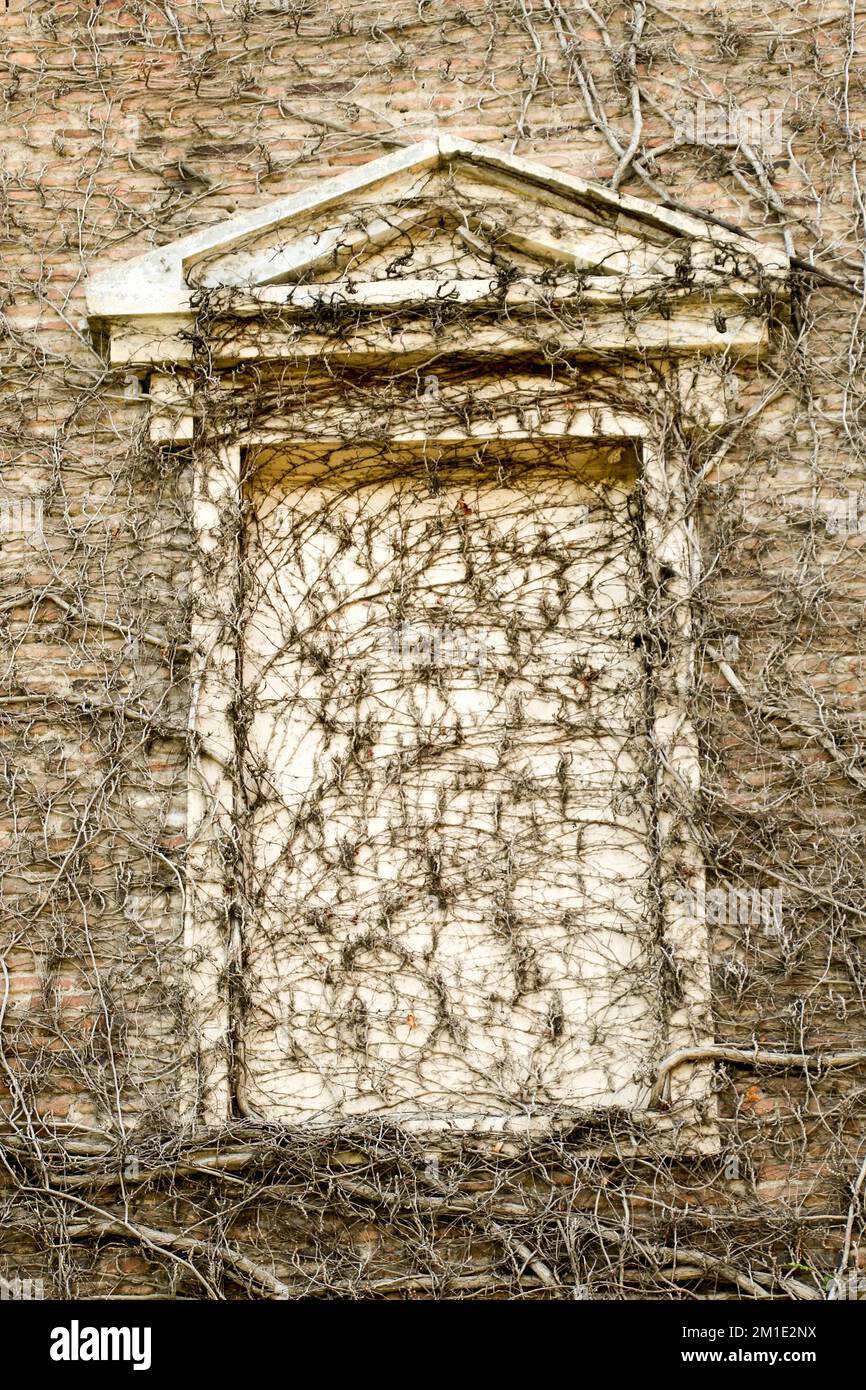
703,293
252,273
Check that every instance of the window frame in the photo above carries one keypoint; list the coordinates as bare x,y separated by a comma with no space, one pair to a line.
212,942
144,315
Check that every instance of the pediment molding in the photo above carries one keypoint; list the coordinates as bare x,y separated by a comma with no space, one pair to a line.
443,228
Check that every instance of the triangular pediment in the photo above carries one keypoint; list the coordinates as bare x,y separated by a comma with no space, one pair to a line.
452,225
436,216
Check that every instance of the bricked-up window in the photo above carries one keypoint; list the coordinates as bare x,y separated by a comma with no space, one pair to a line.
446,707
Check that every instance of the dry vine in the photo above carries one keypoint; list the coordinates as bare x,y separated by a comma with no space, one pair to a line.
101,1189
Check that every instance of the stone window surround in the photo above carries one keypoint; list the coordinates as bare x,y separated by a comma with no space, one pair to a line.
690,333
218,476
